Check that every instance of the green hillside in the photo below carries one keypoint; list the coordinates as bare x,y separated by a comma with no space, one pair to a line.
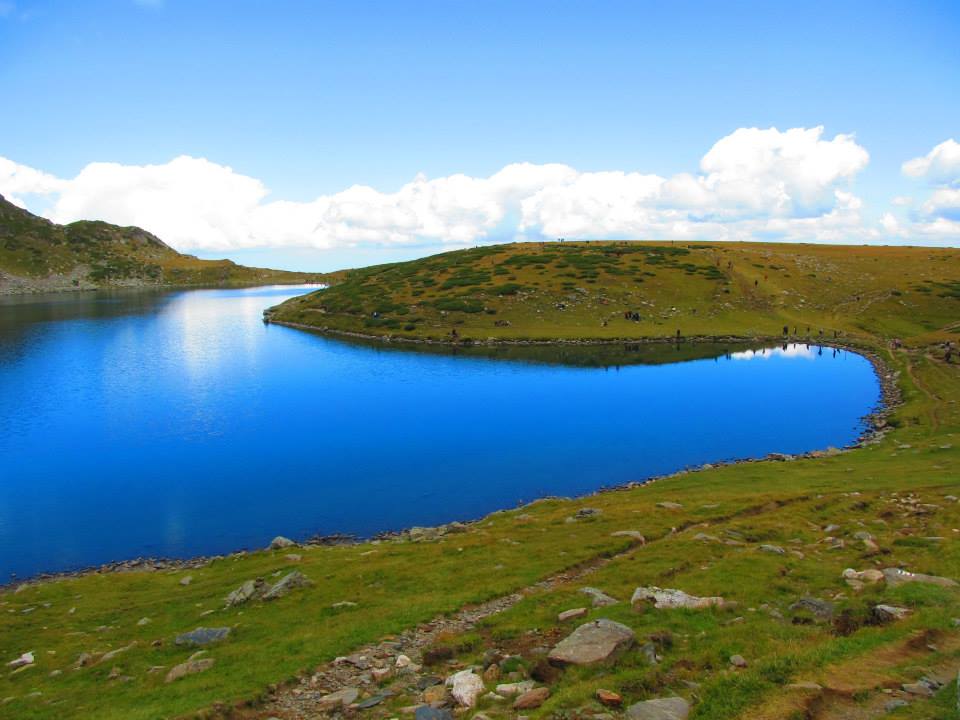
38,255
582,290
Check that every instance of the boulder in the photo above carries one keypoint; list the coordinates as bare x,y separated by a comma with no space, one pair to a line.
869,576
896,576
249,590
202,636
425,712
600,598
668,598
737,661
466,687
532,699
339,699
280,542
290,581
600,641
191,667
675,708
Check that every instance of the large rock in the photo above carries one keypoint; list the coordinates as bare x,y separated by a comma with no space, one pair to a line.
280,542
202,636
532,699
600,641
250,590
896,576
425,712
340,698
669,598
290,581
821,610
674,708
190,667
466,687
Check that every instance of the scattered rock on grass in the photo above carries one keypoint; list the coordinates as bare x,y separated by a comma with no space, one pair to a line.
889,613
201,636
609,698
425,712
675,708
280,542
191,667
600,598
465,686
667,598
738,661
532,699
341,698
249,590
896,576
600,641
288,582
573,614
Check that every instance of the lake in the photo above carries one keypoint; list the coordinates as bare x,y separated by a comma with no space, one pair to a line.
176,423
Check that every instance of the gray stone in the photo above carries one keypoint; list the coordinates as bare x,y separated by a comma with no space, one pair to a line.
191,667
341,698
600,598
374,700
288,582
895,704
280,542
202,636
820,609
669,505
738,661
425,712
896,576
250,590
776,549
675,708
635,535
573,614
466,687
600,641
889,613
668,598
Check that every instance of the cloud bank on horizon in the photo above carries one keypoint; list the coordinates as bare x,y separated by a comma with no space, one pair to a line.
753,184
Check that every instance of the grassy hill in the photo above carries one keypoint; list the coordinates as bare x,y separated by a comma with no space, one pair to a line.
38,255
581,290
773,537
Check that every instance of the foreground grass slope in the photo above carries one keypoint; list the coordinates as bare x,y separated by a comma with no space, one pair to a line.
574,290
36,255
900,491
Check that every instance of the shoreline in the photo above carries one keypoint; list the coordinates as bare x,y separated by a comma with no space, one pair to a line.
6,292
875,421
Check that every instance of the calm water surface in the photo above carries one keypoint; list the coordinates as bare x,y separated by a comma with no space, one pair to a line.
177,423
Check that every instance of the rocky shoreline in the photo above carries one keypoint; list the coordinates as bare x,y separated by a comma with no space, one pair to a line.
875,421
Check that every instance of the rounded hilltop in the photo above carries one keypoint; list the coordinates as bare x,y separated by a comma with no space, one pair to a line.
612,290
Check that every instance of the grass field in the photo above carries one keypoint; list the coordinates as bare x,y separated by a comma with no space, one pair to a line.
901,491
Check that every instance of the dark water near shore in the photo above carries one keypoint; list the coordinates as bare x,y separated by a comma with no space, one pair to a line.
177,424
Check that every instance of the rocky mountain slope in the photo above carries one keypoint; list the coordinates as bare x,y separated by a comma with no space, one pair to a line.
37,255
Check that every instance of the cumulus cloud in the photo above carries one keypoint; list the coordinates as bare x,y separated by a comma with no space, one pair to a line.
940,166
754,184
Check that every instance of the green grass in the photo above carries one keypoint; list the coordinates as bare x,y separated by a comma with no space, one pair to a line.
400,584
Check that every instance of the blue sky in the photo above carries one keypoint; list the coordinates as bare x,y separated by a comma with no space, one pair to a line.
308,99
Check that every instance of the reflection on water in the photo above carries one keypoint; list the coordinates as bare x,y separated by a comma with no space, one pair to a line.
177,423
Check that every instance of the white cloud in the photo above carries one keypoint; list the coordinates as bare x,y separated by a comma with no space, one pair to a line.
754,184
941,166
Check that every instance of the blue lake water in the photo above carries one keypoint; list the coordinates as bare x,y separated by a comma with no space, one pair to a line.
176,423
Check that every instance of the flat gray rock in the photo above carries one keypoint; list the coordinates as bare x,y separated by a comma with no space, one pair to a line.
600,641
896,576
202,636
598,597
290,581
425,712
675,708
